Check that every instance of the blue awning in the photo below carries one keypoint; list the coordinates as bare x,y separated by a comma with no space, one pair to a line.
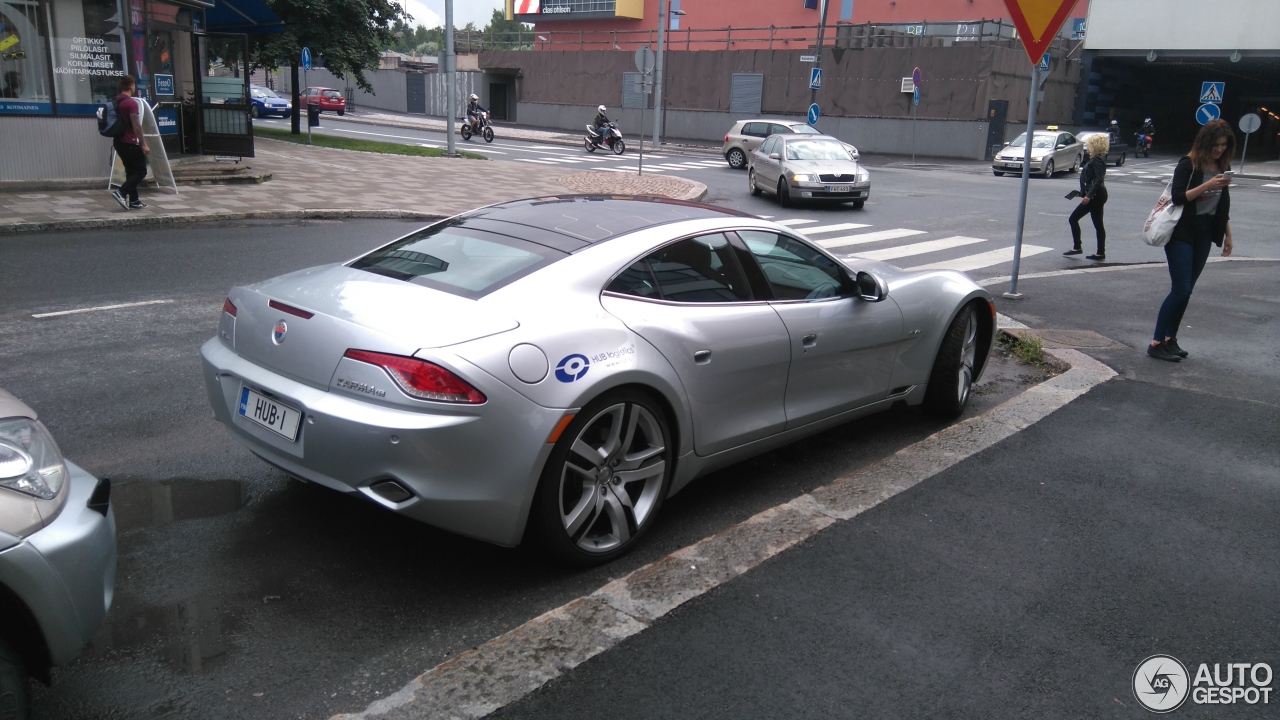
242,16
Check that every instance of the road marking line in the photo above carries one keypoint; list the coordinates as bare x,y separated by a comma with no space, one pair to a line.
919,248
795,221
536,160
509,667
1275,185
834,228
988,282
868,237
981,260
101,307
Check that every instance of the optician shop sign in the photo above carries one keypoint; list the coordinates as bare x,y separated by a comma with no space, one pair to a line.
88,56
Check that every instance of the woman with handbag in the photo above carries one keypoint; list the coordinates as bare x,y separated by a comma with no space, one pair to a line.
1199,185
1093,196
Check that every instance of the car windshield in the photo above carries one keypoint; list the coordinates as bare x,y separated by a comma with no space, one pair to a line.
1042,142
456,259
816,150
805,130
331,94
263,93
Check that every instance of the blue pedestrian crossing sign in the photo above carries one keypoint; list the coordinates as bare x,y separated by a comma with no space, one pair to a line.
815,78
915,97
1211,92
306,58
1207,113
1044,63
813,114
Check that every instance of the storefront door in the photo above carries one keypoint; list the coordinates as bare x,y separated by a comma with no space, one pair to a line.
222,125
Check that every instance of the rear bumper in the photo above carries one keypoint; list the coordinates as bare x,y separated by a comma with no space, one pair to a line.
472,469
65,573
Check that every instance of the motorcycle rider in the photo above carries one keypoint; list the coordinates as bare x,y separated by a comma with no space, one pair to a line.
474,110
1147,133
1113,132
601,123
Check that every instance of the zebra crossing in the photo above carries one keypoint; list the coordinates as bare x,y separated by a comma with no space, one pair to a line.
849,245
627,164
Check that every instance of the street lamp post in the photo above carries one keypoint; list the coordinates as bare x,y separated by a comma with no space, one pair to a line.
663,19
450,80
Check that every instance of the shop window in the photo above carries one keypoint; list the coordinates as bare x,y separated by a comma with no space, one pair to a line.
89,38
24,59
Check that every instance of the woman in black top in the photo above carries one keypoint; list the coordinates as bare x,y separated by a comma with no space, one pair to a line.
1201,188
1093,193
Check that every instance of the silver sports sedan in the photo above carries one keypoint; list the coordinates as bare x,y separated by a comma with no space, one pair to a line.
808,167
555,368
1051,151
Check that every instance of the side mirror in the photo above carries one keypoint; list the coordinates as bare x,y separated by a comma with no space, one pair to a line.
775,156
871,288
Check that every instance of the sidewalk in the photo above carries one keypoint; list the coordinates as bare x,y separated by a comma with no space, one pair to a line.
317,182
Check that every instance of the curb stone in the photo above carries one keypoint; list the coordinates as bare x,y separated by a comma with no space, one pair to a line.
504,669
149,220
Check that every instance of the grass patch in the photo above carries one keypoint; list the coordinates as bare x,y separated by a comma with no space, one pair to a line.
1026,349
345,143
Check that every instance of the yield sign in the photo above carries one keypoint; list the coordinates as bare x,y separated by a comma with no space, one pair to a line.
1038,22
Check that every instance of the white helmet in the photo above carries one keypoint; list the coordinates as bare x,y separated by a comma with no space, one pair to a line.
474,97
1147,120
601,108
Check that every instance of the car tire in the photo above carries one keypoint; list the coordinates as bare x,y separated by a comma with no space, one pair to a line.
584,513
736,159
857,204
784,193
951,381
997,173
1076,167
1121,160
751,182
341,113
15,695
1048,168
253,111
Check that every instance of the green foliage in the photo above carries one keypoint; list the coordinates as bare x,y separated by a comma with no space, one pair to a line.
1028,348
345,36
345,143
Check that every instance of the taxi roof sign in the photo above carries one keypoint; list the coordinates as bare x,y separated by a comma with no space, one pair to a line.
1038,22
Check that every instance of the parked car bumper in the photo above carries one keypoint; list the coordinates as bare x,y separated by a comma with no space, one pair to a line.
65,572
832,191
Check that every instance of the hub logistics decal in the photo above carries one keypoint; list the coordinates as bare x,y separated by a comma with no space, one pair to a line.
572,368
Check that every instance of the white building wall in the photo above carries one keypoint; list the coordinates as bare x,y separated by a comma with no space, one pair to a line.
1183,25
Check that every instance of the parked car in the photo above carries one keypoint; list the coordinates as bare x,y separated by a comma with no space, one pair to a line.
267,103
808,167
1116,155
554,368
57,555
326,99
747,135
1051,151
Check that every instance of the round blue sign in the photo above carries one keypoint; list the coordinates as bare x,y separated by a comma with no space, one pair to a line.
306,58
813,114
1207,113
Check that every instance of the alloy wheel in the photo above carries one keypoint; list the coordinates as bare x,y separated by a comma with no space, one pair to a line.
968,353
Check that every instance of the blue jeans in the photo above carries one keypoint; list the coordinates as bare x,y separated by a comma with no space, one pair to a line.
1186,260
603,130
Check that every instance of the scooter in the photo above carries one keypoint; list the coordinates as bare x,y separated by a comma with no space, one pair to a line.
1142,143
481,126
612,139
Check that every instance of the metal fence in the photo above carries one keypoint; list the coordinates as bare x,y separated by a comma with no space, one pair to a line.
773,37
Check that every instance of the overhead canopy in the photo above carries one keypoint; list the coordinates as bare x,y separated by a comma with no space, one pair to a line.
242,16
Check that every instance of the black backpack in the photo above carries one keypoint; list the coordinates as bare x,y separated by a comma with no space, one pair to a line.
111,123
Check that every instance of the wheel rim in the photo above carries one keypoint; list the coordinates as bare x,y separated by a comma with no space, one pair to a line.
619,147
736,159
611,478
1048,169
968,352
751,180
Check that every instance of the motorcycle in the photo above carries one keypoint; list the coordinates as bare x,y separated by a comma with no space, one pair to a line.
480,127
612,140
1142,143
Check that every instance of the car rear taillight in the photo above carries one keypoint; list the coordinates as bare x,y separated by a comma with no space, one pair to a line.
297,312
228,307
726,137
420,378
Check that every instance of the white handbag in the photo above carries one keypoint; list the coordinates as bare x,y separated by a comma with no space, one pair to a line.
1163,219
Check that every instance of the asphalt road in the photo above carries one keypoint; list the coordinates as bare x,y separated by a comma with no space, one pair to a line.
241,593
245,594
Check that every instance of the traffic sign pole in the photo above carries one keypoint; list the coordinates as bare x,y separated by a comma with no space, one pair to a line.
1249,124
822,28
1026,178
916,77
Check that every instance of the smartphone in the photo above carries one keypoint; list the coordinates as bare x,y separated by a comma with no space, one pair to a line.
1229,173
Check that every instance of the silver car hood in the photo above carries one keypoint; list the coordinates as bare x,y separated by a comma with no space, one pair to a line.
352,309
1016,151
823,167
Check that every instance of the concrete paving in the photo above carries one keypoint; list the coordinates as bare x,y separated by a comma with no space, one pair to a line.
314,182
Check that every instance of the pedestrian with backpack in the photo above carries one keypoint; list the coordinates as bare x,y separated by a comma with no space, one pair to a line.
122,122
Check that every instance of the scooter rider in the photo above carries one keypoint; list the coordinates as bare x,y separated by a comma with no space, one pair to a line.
1113,132
474,109
601,122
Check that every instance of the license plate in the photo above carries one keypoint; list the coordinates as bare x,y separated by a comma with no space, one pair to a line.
838,188
274,416
1013,164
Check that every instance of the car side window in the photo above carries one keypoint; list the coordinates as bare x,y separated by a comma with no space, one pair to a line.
795,271
775,129
756,129
697,270
770,146
1069,139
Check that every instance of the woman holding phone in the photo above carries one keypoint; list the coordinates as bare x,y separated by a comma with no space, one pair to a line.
1200,185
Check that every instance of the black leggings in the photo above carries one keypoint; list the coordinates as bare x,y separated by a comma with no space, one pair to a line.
1093,209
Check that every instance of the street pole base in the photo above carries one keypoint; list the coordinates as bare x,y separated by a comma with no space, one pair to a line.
1012,295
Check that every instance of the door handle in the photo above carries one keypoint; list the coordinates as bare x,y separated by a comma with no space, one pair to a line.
809,341
702,357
